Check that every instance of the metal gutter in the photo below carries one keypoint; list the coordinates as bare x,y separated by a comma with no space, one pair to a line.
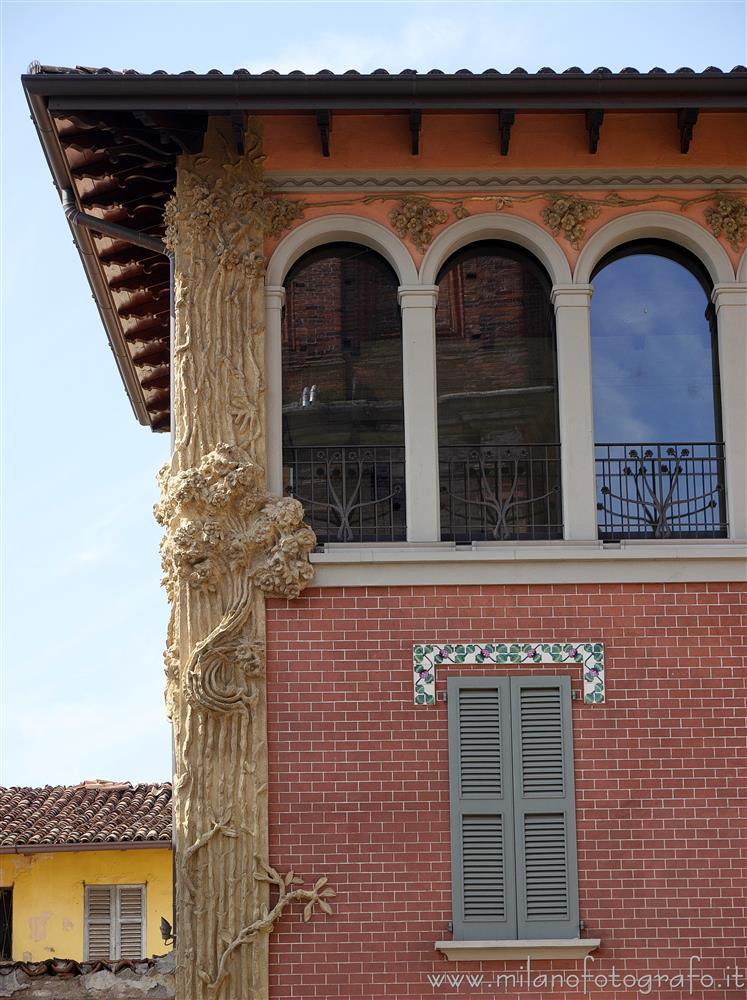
379,92
119,845
84,243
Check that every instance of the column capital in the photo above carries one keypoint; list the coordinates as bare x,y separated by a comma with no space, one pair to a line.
417,296
274,296
574,296
730,294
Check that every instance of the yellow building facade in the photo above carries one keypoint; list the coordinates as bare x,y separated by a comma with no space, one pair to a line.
49,896
85,871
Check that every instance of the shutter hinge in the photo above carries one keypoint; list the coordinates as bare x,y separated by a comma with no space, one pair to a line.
450,926
442,695
581,926
574,695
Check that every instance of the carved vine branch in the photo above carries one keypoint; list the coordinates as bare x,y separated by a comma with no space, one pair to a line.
219,826
316,896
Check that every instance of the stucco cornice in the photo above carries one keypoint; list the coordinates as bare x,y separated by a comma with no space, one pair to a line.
526,180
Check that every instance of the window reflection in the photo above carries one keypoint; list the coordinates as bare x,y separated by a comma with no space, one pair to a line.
653,351
343,423
497,396
659,457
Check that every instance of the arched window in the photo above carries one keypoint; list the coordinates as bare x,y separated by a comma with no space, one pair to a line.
657,411
497,396
343,428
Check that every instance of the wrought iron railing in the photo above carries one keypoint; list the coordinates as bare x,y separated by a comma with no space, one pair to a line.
500,492
349,494
661,490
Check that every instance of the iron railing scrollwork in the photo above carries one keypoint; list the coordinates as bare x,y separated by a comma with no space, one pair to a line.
350,494
500,492
661,490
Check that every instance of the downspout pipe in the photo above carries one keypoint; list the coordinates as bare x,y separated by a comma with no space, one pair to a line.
74,215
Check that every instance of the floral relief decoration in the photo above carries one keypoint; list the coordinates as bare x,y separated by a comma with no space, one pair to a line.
414,219
729,219
587,655
567,214
415,216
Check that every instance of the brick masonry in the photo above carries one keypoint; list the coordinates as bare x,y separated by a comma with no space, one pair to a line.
359,784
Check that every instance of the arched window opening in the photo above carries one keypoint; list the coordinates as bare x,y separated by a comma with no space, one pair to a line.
657,409
497,397
343,425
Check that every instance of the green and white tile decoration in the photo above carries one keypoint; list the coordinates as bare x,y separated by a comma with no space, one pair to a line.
588,655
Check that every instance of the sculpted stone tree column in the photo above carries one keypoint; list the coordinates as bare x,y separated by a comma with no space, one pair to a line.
227,544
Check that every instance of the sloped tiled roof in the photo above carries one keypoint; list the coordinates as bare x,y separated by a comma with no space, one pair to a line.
93,812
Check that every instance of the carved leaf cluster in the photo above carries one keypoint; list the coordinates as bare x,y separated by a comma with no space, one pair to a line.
567,214
729,219
219,206
220,521
414,219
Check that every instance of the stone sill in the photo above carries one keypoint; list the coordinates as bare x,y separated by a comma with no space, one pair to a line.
529,562
334,552
490,951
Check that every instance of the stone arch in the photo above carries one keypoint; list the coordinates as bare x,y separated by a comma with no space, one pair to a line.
655,226
340,229
496,226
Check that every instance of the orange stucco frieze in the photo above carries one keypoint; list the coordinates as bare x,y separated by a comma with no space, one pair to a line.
629,140
691,203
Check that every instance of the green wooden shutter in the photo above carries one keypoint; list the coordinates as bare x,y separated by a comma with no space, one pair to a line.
99,943
544,807
482,824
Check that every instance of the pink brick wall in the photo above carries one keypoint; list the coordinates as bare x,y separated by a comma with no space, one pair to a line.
359,784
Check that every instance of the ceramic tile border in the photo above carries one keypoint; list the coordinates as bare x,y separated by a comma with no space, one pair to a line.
587,655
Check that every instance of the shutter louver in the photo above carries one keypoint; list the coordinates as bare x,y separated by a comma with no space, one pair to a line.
480,743
131,922
99,944
547,900
546,867
481,815
483,867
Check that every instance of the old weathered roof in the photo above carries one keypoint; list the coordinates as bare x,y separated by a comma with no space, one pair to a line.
93,812
112,139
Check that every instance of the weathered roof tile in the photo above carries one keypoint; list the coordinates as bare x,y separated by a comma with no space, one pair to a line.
89,813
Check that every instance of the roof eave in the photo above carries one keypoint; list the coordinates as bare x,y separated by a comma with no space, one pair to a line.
119,845
292,92
86,250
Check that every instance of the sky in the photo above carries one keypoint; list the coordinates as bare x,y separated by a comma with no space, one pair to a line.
83,613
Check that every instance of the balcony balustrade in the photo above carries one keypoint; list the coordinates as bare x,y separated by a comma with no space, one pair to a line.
669,490
350,494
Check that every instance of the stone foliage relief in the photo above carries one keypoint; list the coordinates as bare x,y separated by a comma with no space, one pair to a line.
227,545
414,217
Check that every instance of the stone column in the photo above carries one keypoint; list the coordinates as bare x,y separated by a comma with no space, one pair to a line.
418,305
573,332
730,302
274,302
227,544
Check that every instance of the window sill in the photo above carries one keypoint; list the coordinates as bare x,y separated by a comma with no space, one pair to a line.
418,563
491,951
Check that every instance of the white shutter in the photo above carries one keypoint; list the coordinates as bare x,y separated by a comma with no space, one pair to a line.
99,923
131,922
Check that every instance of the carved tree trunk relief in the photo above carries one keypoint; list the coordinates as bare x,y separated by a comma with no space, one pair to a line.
227,544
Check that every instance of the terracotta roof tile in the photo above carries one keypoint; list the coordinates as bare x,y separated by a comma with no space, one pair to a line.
37,67
93,812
